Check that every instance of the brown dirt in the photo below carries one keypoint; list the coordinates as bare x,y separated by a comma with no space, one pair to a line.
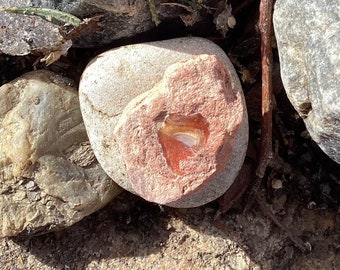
134,234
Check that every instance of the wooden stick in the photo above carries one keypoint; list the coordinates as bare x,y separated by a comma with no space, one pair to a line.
234,193
242,6
265,25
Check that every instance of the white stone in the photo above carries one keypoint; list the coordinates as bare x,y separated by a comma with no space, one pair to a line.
308,40
117,76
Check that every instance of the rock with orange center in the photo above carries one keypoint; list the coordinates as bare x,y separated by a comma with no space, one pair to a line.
180,142
175,138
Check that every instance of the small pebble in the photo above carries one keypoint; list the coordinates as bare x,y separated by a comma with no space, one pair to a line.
276,183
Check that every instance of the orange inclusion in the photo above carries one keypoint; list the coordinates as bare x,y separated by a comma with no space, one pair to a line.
180,136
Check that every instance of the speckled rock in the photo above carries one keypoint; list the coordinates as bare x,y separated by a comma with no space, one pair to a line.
121,18
112,81
308,40
21,35
49,178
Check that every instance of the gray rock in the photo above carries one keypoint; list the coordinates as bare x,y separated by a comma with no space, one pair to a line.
117,76
49,178
308,40
19,37
121,18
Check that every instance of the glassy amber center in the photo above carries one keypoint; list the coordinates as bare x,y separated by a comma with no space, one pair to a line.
180,136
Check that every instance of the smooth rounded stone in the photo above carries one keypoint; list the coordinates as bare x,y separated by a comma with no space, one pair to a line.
137,80
308,40
49,177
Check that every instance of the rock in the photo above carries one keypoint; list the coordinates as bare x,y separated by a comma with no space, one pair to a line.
49,176
18,37
121,18
175,138
137,86
308,40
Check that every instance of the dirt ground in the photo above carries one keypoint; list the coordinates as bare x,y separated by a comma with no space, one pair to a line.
134,234
301,189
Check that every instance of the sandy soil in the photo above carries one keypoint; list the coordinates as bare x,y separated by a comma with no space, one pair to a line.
134,234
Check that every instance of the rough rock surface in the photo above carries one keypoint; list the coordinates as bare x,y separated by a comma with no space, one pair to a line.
21,35
122,18
175,138
116,77
49,178
308,39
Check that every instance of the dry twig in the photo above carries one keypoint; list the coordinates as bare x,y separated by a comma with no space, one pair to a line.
234,193
265,25
304,247
242,6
